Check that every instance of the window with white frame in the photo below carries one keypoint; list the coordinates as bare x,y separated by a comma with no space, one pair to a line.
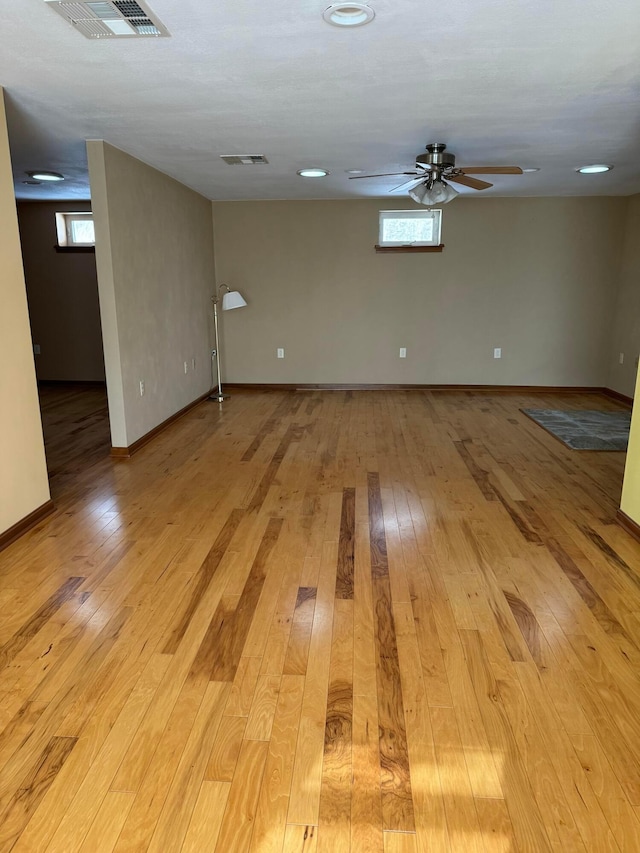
75,229
410,227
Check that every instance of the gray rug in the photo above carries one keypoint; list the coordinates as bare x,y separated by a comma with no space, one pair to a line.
585,430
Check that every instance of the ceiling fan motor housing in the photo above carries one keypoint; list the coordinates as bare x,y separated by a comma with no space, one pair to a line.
437,156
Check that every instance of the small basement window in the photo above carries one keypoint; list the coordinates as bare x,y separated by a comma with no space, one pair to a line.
75,230
407,228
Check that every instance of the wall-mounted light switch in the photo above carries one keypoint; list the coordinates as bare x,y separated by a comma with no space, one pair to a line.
36,349
403,352
621,358
193,364
497,352
280,352
186,367
142,387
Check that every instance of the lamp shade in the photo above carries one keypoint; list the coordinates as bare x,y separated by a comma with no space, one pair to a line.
233,299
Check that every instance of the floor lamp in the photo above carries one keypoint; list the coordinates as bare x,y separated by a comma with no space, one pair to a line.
230,299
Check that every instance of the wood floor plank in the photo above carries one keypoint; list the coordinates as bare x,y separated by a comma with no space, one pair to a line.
242,802
175,817
271,813
206,819
527,822
32,790
335,795
226,748
227,634
105,829
300,839
344,579
397,804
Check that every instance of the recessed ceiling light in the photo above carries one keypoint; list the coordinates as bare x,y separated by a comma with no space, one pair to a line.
354,171
348,14
595,169
313,173
46,176
32,183
532,169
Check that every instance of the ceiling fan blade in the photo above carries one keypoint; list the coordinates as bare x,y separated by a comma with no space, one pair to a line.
466,181
491,170
408,184
383,175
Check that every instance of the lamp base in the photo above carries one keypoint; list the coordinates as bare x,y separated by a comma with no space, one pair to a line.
218,397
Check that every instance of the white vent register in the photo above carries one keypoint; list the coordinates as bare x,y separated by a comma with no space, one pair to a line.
99,19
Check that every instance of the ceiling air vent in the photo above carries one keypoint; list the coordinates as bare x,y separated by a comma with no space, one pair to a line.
243,159
98,19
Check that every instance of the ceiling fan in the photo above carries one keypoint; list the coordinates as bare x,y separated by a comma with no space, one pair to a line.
435,170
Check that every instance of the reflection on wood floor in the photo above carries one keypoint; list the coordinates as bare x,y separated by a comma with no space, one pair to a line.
325,621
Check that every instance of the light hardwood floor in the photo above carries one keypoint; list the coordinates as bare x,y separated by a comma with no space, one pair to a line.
325,621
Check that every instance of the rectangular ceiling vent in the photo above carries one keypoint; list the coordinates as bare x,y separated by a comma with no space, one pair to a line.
99,19
243,159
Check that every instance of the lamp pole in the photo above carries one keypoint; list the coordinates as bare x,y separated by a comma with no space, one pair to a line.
230,299
215,353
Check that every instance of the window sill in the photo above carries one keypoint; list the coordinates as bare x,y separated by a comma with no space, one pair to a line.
384,249
65,249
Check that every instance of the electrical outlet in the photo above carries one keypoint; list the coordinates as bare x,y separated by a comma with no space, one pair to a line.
36,349
142,387
280,352
497,352
193,364
403,352
186,367
621,359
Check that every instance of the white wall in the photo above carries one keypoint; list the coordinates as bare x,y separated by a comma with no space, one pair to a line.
23,472
154,256
536,277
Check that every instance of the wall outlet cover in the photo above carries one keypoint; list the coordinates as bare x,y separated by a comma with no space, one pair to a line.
36,349
497,352
280,352
403,352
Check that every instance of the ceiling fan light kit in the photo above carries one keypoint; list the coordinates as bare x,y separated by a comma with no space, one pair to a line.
348,14
433,192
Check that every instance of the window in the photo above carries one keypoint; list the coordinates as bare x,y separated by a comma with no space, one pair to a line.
410,227
75,229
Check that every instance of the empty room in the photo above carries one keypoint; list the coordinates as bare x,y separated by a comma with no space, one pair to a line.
319,465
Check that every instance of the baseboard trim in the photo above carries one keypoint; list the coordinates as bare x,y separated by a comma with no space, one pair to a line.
56,383
27,523
628,524
616,395
354,386
127,452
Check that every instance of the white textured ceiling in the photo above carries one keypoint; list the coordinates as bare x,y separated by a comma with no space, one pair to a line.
549,83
